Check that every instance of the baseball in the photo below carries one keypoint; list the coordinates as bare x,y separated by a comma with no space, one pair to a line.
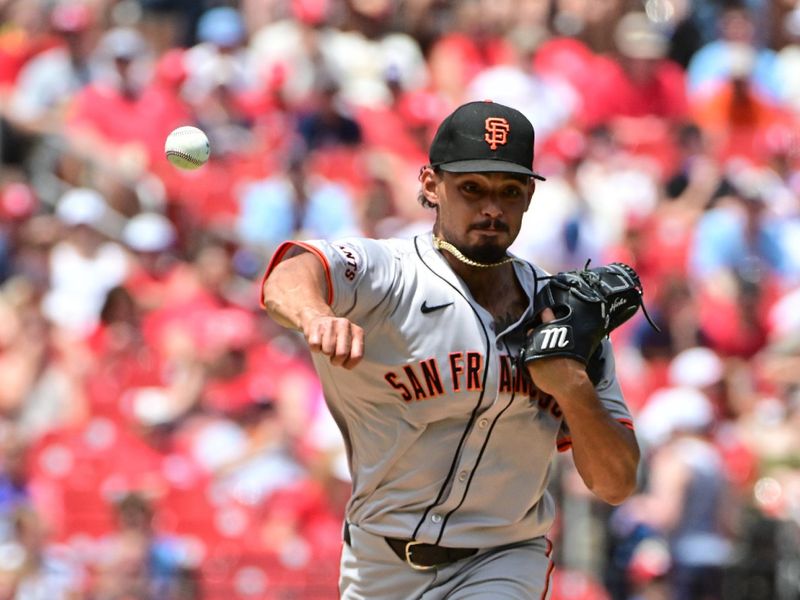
187,147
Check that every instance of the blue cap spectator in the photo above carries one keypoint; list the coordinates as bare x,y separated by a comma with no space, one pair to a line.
222,26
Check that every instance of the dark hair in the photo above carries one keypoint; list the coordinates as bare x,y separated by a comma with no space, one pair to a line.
133,509
689,133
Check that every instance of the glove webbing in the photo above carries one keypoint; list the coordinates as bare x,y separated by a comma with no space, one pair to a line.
592,279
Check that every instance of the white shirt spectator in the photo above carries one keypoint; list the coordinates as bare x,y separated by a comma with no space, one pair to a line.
80,283
46,83
80,278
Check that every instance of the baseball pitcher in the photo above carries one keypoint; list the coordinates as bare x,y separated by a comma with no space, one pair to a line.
455,371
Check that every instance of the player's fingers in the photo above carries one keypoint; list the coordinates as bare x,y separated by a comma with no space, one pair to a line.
356,348
328,338
314,336
341,343
338,339
548,315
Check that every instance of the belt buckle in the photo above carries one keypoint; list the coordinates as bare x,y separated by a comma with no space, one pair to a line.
409,547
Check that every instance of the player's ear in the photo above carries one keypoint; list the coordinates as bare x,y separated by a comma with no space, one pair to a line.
429,180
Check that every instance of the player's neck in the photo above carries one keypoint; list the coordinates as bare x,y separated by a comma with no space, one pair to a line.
483,284
483,279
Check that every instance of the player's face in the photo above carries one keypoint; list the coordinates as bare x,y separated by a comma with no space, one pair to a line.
481,213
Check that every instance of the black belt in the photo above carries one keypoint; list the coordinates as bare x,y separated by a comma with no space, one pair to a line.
419,555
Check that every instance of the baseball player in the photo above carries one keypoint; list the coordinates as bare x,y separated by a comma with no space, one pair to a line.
417,343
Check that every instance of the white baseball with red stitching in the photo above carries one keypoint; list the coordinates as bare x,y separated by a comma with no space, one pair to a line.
187,147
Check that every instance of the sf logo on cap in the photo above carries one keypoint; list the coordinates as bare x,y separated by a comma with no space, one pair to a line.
496,132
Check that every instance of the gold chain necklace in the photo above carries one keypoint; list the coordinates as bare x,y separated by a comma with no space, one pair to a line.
440,244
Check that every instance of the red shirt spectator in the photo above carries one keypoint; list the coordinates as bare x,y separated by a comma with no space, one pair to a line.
17,47
636,87
640,82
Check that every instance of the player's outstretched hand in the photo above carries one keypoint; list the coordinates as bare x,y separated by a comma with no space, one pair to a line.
336,337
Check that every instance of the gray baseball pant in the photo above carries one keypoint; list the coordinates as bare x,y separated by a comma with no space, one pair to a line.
370,570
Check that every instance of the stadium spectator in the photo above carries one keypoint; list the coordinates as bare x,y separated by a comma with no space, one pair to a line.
546,99
35,568
137,562
641,82
221,53
85,264
734,114
21,39
297,201
717,60
326,123
14,489
108,124
50,79
152,239
686,500
579,234
786,61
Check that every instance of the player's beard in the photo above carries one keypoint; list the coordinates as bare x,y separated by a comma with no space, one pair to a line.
487,253
490,250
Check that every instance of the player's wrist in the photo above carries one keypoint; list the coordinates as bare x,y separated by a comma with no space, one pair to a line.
307,314
559,376
573,379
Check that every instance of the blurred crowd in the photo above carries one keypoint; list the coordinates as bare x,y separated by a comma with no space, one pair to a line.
161,439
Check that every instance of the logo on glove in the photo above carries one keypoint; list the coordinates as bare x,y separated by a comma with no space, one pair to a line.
554,337
618,302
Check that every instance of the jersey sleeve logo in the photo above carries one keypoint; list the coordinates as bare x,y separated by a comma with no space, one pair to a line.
352,260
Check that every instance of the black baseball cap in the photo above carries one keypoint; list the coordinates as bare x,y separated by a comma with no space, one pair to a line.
482,137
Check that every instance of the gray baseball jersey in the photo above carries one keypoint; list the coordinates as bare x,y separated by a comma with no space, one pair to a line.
448,440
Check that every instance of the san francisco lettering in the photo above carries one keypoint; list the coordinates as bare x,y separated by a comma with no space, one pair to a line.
423,380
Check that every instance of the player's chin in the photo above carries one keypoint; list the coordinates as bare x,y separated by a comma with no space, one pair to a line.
489,249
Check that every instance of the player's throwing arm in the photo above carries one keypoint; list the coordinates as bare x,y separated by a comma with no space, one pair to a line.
296,298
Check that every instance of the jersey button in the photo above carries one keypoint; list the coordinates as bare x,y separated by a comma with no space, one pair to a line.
463,476
436,518
483,423
499,345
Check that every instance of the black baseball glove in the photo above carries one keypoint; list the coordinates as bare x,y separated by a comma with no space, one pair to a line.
588,305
